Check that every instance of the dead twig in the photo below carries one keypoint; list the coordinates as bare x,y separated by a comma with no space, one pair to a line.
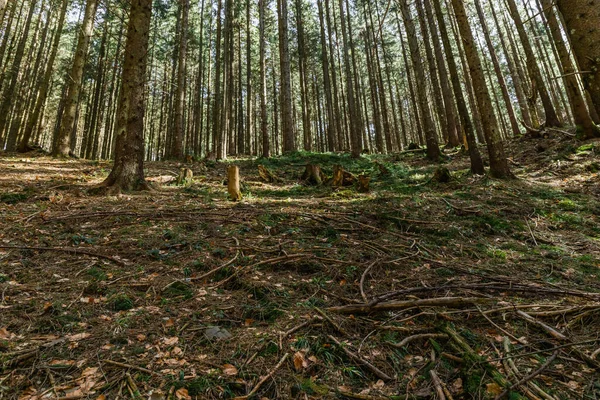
379,373
451,302
528,377
227,264
70,250
129,366
437,383
412,338
264,379
362,281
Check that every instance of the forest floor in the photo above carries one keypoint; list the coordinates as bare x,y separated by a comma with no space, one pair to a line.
302,292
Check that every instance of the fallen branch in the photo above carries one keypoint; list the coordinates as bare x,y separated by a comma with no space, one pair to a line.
528,377
379,373
227,264
437,383
129,366
452,302
66,250
264,379
362,281
551,331
412,338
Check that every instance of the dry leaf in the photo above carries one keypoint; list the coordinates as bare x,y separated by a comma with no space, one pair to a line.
170,341
79,336
182,394
230,370
5,334
300,361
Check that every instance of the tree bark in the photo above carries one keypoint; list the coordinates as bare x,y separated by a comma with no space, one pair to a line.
498,163
13,77
433,149
582,19
289,142
578,106
34,117
551,116
62,142
128,169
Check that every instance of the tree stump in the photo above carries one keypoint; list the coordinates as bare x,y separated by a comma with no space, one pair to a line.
266,175
383,170
363,183
233,183
312,175
341,177
185,177
442,175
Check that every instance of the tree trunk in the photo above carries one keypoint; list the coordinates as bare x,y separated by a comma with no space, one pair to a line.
128,168
582,19
578,106
551,116
331,126
34,117
498,163
62,142
463,112
180,88
287,121
499,75
433,149
12,77
266,150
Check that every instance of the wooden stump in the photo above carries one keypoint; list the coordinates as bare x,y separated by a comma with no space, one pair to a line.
185,177
383,170
266,175
312,175
342,178
363,183
442,175
233,183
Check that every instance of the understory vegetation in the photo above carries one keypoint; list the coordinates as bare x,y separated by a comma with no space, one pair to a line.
178,292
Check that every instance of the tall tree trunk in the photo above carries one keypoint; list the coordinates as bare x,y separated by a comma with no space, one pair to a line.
34,117
433,149
303,71
549,110
582,19
249,88
499,75
578,106
498,162
13,77
128,168
356,139
451,126
331,126
289,142
266,148
62,143
463,112
217,109
180,88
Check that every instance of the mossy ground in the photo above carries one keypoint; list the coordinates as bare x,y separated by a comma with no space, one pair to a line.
146,308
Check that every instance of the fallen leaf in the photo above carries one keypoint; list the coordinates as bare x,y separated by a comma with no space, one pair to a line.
5,334
182,394
299,361
170,341
230,370
79,336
